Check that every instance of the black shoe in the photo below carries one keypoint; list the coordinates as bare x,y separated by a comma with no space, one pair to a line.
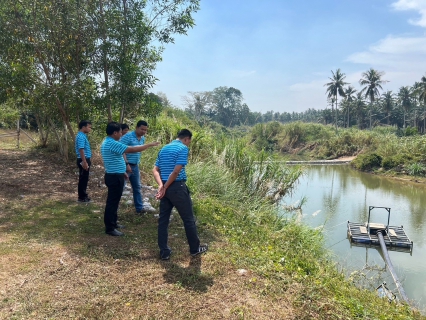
166,256
115,233
201,249
120,226
86,200
141,212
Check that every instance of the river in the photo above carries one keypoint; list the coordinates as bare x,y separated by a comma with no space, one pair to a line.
335,194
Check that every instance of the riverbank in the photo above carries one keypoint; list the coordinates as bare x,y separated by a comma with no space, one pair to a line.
60,264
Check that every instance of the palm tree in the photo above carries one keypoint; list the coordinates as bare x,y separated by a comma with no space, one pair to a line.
405,96
387,104
372,82
421,92
336,87
349,94
359,109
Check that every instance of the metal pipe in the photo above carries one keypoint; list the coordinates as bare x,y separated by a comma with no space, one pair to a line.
390,267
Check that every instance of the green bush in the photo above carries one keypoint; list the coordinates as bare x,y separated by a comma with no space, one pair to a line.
367,161
410,131
416,169
390,162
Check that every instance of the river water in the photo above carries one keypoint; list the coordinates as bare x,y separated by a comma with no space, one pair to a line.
335,194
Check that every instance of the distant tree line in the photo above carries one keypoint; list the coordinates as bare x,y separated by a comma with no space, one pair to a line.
369,107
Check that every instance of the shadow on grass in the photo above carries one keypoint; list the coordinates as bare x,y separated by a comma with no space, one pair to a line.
80,228
190,277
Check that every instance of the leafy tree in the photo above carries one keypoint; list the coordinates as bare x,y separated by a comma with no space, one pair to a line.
83,54
372,82
335,87
226,105
197,103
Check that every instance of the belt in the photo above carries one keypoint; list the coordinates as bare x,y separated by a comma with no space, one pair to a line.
114,174
132,164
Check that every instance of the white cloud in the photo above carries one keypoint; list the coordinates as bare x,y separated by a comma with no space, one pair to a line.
417,5
394,53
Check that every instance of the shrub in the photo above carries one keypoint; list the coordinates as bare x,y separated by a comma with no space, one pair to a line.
390,162
416,169
367,161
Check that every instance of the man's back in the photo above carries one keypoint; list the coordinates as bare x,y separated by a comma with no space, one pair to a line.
175,153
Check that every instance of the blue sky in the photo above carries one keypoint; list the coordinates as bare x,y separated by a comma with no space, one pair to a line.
281,53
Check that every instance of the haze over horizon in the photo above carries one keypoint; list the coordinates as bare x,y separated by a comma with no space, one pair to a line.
280,54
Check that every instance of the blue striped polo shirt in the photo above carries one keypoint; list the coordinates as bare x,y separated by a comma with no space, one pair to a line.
130,139
112,155
81,142
175,153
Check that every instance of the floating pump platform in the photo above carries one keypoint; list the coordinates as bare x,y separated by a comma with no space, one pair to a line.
386,237
366,233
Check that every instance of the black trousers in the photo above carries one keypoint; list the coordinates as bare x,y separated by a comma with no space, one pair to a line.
83,179
177,195
115,184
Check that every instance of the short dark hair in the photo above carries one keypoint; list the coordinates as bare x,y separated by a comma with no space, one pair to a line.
124,126
141,123
185,133
112,127
84,123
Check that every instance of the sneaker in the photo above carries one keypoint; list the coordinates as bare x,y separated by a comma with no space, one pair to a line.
149,208
166,256
201,249
115,233
120,226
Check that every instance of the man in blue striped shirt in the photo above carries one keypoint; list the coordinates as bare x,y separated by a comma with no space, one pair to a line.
115,167
84,153
169,173
136,138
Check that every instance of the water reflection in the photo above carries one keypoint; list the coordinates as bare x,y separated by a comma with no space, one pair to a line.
337,193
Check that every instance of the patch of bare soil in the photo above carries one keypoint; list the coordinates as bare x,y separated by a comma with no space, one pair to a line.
101,277
346,158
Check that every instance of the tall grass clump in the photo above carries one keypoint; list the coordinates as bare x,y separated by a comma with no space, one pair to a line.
257,171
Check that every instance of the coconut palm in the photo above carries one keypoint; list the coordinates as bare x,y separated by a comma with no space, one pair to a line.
372,82
335,87
359,107
405,99
387,104
421,91
349,94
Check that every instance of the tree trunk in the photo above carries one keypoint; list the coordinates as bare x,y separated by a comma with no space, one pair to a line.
124,83
335,118
348,115
404,119
105,64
